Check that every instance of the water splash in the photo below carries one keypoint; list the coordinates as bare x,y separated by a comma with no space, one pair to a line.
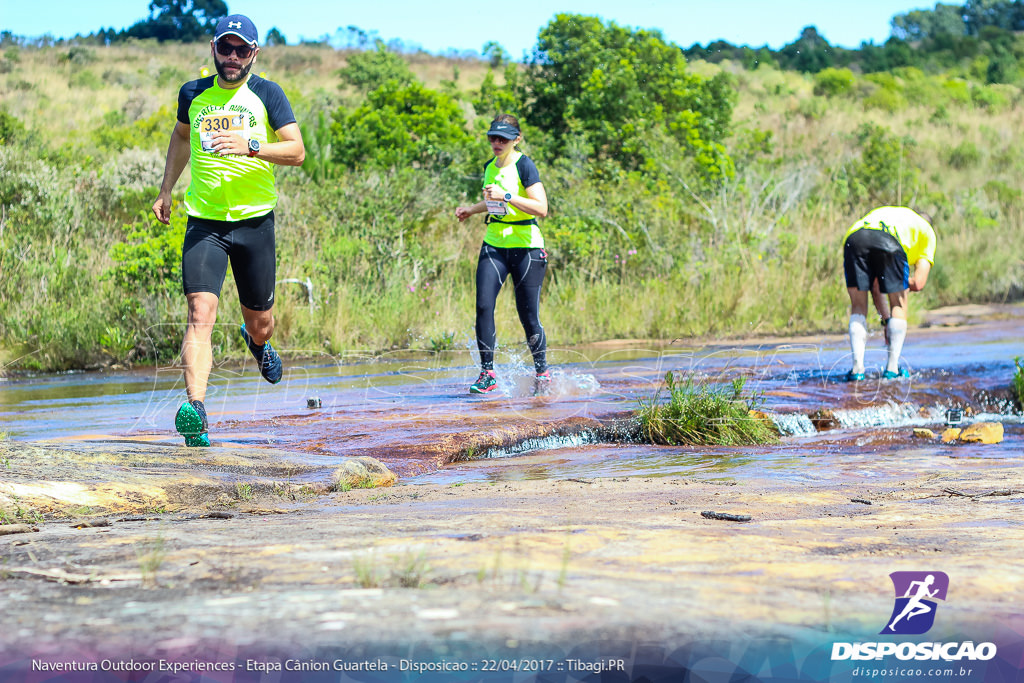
547,443
793,424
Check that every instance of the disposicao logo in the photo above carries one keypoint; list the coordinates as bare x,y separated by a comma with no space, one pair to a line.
916,593
913,614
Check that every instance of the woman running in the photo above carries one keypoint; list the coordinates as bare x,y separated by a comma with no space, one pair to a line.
513,199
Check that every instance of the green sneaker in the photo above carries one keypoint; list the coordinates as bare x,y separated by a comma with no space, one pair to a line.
484,383
191,423
852,376
902,373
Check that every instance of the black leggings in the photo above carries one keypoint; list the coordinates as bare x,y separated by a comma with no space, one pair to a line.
527,267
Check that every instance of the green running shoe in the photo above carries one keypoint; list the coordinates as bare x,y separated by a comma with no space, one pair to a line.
484,383
852,376
267,360
902,373
191,423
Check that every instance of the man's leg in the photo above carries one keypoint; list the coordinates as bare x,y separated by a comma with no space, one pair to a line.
897,329
196,350
858,328
259,324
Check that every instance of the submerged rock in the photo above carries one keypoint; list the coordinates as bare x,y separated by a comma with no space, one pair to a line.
823,419
979,432
983,432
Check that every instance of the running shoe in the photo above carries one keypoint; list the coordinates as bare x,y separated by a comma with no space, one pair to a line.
899,374
542,384
191,423
484,383
266,357
852,376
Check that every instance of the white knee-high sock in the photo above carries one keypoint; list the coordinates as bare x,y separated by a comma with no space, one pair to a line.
858,340
897,335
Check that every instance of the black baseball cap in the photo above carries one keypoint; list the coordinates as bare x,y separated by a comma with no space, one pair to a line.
504,130
237,25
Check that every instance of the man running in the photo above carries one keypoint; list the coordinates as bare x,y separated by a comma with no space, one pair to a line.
231,128
878,251
915,606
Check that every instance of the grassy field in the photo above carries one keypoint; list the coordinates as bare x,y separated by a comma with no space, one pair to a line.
631,256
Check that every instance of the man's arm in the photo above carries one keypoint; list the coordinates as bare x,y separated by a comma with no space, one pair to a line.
178,152
920,278
287,151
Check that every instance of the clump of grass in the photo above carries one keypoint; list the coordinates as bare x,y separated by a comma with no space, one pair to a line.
1018,383
701,414
443,342
151,555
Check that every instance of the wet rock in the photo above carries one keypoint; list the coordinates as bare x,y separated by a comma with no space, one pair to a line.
823,419
983,432
951,434
922,433
765,418
362,472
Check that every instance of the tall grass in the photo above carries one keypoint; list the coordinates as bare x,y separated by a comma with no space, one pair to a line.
631,255
698,413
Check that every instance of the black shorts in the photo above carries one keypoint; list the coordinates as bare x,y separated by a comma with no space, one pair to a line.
250,246
870,255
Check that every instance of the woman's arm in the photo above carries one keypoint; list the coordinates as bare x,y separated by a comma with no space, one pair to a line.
464,212
534,203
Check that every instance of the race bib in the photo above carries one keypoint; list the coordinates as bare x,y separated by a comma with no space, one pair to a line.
496,207
217,122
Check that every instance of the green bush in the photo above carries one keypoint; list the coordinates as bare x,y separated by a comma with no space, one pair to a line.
616,86
366,71
11,129
965,155
832,82
400,125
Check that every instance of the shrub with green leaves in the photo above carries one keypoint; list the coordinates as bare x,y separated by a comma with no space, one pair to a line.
614,85
401,125
698,413
366,71
832,82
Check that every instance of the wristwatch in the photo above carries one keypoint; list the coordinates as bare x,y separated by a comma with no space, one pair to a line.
254,147
508,196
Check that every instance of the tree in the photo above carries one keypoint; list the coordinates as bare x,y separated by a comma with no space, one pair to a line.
809,53
494,53
1005,14
275,37
183,20
922,23
367,71
615,86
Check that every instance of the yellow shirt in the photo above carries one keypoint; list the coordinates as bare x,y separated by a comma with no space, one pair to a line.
914,233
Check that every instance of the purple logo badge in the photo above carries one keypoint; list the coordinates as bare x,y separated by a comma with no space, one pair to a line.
916,592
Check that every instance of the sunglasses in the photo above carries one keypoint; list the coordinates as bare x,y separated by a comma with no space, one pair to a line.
497,138
225,49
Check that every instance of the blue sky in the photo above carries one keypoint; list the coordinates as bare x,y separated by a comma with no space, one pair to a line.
461,25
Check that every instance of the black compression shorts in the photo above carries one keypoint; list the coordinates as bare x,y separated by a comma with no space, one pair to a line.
870,255
249,245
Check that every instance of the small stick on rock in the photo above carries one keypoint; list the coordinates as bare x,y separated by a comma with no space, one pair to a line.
725,516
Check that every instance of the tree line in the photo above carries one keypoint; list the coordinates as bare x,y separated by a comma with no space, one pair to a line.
982,34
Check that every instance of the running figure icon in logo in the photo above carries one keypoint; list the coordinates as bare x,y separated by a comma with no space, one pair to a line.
914,611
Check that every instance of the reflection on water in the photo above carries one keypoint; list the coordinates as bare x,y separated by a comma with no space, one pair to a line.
413,410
